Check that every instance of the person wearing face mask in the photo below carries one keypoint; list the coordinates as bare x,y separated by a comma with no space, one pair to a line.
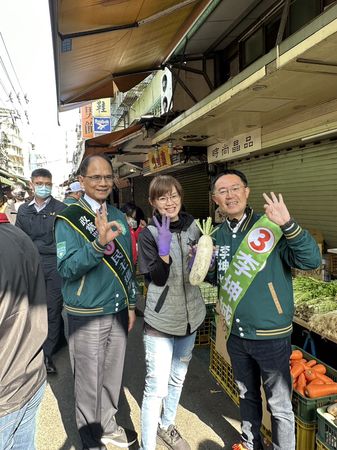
130,211
174,309
36,219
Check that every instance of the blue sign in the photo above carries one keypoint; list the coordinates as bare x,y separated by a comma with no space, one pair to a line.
102,124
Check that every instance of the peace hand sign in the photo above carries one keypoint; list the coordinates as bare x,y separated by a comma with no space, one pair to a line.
104,228
275,209
164,235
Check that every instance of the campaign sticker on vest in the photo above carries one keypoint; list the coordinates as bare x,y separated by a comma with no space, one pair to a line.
261,240
61,249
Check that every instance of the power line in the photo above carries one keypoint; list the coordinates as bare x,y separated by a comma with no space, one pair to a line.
13,68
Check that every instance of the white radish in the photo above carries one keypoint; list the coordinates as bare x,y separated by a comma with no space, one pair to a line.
203,254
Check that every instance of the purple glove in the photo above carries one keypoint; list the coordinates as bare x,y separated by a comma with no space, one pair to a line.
164,235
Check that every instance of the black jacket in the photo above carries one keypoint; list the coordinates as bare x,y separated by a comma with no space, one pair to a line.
40,225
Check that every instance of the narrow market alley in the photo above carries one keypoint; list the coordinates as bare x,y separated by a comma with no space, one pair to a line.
207,418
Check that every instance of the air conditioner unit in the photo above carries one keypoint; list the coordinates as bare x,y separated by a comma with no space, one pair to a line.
166,91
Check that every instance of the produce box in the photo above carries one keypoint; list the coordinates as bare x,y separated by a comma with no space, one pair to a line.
327,430
320,445
209,293
305,408
204,331
305,435
332,264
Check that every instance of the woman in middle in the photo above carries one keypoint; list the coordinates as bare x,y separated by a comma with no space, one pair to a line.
174,310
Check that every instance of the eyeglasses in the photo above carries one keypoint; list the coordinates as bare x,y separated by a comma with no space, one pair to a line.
173,198
98,178
231,190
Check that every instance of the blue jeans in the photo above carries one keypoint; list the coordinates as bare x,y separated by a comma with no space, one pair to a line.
167,360
17,429
269,359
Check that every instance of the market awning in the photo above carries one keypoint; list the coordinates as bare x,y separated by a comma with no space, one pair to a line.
108,143
104,43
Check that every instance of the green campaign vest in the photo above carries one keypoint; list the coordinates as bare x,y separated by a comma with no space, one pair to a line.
248,260
82,219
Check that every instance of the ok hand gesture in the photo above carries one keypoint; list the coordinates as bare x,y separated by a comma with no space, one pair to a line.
104,228
275,209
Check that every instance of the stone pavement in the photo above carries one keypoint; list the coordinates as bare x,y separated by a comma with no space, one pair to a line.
207,418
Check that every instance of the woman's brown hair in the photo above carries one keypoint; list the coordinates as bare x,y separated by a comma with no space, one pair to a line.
162,185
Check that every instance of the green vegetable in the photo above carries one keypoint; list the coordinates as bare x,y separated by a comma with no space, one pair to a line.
313,296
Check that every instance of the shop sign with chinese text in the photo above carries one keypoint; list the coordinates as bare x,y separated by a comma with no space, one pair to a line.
86,119
159,158
235,147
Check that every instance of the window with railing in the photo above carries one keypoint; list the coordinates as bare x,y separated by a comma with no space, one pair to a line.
261,38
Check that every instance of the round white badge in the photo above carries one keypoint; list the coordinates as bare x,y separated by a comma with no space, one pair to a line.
261,240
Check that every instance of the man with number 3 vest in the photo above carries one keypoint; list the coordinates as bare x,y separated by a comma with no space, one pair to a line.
255,254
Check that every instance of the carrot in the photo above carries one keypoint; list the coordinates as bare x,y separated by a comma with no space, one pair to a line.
320,368
317,390
301,390
327,380
297,369
311,363
296,361
310,374
316,381
296,354
301,381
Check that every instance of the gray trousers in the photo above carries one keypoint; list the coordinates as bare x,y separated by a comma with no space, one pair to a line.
97,347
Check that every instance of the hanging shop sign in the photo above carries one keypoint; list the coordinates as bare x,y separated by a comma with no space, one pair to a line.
86,119
102,125
159,158
235,147
101,111
101,108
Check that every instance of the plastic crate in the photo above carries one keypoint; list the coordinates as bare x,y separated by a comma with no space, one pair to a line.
305,435
223,374
204,331
332,263
305,408
213,331
327,431
209,293
320,445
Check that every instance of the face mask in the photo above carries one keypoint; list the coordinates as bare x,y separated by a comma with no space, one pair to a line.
132,222
42,191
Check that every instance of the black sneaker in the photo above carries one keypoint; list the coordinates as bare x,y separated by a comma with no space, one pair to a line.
122,438
172,439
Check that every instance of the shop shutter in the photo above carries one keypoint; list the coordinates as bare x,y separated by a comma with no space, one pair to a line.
141,194
195,183
307,179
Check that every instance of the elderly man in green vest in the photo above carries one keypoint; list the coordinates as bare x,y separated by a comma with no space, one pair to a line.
94,258
255,254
